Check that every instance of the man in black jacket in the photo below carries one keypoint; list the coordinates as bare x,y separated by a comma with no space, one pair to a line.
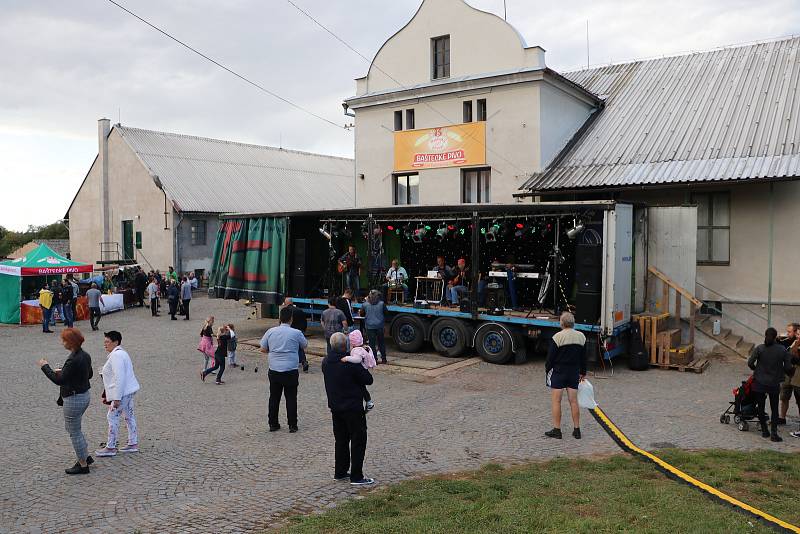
345,303
343,385
565,368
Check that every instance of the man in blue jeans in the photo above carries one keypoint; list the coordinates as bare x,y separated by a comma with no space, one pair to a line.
283,344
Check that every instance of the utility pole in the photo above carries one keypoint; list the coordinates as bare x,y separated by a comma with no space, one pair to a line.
587,43
505,11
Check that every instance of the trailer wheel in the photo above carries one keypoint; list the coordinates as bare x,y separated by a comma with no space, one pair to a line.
408,333
493,343
449,337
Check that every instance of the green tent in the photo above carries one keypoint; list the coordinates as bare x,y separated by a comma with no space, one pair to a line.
250,260
41,261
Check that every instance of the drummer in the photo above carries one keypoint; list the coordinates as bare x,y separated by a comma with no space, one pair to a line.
396,276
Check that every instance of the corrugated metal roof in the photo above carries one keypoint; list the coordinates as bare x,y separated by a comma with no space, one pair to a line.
725,115
213,176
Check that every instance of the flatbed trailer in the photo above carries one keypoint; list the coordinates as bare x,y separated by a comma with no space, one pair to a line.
498,335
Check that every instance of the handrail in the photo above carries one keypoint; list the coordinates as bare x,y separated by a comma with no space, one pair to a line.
664,278
730,301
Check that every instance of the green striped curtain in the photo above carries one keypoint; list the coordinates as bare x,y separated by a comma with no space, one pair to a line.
250,259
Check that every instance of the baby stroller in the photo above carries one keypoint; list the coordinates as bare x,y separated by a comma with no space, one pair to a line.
743,407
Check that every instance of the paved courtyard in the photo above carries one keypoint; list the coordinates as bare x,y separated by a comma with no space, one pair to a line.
208,464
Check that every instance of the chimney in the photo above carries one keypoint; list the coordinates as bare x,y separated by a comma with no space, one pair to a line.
103,129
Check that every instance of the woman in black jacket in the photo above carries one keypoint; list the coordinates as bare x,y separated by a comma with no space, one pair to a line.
770,363
73,381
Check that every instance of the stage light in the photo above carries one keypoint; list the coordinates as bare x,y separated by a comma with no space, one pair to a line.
441,232
492,231
324,233
520,230
390,228
408,231
419,234
577,228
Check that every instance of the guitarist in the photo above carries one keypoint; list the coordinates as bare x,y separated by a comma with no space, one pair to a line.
350,266
459,284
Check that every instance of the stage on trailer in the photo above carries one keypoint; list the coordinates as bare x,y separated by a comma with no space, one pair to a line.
314,307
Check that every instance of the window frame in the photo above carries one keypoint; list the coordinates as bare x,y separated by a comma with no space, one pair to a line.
193,233
410,119
480,112
398,120
709,225
406,175
480,175
445,53
466,109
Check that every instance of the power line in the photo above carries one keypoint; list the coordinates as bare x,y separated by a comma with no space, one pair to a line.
227,69
402,85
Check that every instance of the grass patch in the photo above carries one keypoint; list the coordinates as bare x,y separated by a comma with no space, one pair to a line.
619,494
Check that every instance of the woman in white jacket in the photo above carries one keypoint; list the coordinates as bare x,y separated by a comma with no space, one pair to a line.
120,386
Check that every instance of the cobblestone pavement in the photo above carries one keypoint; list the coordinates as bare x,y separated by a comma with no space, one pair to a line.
208,464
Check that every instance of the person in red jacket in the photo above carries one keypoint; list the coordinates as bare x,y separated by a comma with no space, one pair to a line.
566,368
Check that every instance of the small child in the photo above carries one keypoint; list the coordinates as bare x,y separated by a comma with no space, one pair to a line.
232,346
359,353
206,345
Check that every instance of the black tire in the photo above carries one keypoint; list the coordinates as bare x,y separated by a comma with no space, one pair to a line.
449,337
722,419
408,332
727,419
737,419
743,426
493,344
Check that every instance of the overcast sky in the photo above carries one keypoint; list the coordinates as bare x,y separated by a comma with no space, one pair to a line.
63,65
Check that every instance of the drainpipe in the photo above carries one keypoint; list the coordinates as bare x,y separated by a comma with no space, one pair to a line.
771,247
177,255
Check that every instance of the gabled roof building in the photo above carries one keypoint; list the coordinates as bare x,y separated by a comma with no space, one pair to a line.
154,198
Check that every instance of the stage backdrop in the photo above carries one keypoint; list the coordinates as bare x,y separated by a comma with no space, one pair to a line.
249,260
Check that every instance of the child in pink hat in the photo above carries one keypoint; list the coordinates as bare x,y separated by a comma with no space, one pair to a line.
359,353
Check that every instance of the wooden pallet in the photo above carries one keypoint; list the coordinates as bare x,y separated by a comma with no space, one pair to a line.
697,366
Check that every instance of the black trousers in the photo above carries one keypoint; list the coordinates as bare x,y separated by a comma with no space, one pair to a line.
154,307
350,433
94,317
283,383
219,366
186,307
173,307
761,405
140,296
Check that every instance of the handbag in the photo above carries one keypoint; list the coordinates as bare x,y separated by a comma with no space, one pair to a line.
104,399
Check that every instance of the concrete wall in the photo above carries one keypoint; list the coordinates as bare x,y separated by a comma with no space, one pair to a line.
562,115
193,257
132,196
480,42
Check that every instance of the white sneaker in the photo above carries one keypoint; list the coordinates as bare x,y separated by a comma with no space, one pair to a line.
795,434
105,452
130,448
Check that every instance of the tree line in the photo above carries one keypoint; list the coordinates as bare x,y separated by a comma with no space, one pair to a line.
11,240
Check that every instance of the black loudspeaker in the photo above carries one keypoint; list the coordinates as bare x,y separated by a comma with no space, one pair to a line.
589,268
465,305
587,307
299,268
495,297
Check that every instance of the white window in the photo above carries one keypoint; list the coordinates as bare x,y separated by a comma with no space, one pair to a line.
406,189
713,228
476,186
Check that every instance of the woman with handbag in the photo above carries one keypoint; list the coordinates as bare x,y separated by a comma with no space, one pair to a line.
73,381
120,386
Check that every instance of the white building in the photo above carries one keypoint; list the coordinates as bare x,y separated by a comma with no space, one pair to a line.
433,83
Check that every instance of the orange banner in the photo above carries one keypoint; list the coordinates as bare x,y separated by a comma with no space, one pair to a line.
460,145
